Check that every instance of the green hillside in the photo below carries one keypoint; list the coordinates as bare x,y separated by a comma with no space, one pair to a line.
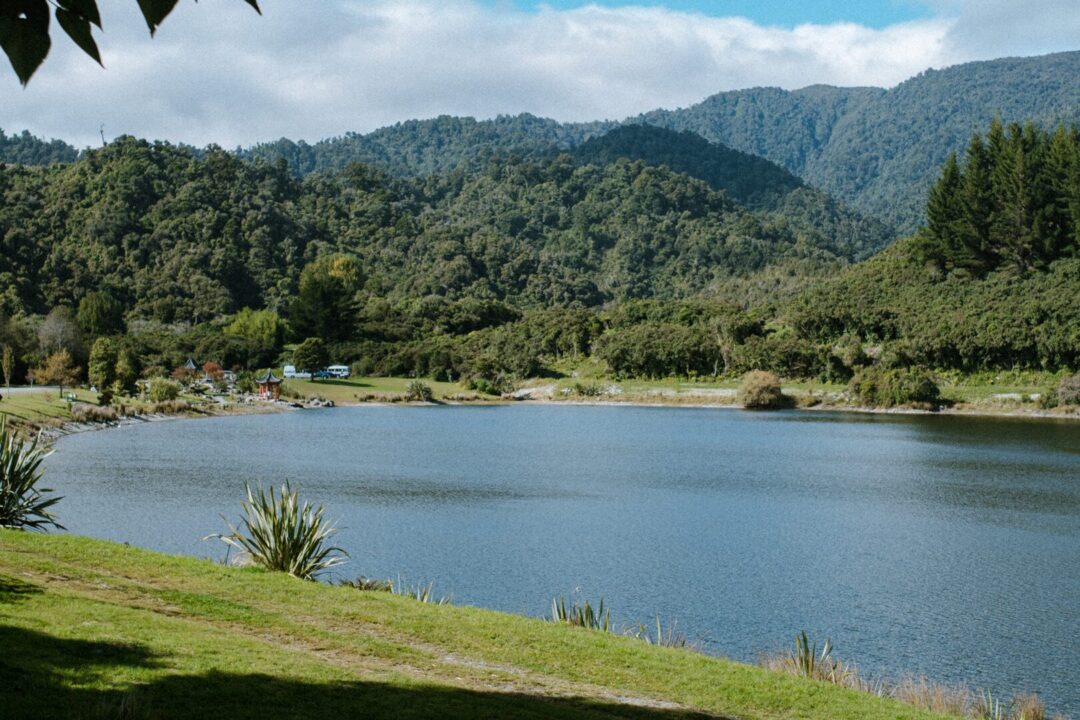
174,236
94,629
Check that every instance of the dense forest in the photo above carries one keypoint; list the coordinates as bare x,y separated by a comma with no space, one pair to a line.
648,251
26,149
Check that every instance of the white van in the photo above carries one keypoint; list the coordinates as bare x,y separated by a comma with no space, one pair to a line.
338,371
289,371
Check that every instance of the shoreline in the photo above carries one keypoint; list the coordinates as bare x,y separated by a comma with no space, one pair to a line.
54,433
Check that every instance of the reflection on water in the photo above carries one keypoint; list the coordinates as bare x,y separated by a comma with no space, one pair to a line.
939,545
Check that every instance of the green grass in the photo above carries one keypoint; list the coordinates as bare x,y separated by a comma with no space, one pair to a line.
346,391
95,629
41,406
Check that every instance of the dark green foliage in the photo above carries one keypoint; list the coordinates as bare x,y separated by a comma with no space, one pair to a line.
182,239
311,355
419,391
25,149
436,146
749,180
100,314
1012,203
23,505
875,386
880,150
1002,320
658,350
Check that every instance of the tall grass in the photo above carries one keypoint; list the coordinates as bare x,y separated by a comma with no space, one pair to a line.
956,701
670,636
419,592
280,534
23,505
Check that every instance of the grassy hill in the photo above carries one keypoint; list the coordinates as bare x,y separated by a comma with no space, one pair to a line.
93,629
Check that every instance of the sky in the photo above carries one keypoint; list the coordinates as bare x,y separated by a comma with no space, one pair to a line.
218,73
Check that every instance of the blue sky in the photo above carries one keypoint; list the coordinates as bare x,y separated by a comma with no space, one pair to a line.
785,13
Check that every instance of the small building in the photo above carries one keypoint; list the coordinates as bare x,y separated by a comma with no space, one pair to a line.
269,386
190,366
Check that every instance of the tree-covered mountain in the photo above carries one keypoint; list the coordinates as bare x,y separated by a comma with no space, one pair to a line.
26,149
748,179
877,150
436,146
175,235
881,149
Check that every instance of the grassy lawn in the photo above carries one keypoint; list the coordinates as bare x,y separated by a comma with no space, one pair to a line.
41,406
94,629
348,391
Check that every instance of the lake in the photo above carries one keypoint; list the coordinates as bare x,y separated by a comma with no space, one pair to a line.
944,546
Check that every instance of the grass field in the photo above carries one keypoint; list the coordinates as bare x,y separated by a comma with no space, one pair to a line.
91,629
41,405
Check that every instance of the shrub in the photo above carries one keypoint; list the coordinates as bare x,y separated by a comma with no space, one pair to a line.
281,535
22,503
591,389
877,387
500,384
1068,390
419,391
169,407
760,390
83,413
162,390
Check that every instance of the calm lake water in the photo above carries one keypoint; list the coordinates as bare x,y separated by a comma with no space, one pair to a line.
943,546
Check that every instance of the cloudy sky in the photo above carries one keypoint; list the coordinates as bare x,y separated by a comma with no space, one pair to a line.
219,73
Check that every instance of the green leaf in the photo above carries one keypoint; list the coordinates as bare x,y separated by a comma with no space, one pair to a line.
24,35
78,29
83,9
155,11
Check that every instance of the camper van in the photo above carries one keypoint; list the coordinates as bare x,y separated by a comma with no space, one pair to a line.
338,371
289,371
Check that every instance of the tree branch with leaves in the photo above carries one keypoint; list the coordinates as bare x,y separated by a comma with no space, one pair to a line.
24,28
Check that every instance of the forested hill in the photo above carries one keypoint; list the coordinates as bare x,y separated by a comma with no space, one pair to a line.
875,149
881,149
748,179
436,146
174,235
25,149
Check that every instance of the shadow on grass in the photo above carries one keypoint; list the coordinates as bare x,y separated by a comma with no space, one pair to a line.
341,383
13,590
45,677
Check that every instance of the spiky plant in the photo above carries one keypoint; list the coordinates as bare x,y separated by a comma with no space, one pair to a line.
808,662
23,505
584,615
278,533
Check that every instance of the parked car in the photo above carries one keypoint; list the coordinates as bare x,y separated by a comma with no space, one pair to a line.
321,374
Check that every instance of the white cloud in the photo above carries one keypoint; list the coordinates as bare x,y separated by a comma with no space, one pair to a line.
216,72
